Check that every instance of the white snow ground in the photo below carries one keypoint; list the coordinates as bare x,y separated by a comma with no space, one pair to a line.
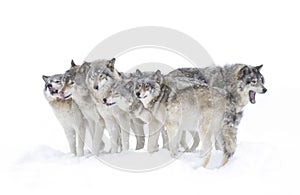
39,37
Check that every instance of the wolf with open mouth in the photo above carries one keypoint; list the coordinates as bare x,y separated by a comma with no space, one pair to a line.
66,111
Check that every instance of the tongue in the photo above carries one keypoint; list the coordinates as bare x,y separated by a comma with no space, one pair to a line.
62,95
252,97
52,89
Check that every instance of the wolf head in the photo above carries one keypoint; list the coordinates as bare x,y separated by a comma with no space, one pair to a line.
53,85
251,81
147,87
121,95
68,81
102,75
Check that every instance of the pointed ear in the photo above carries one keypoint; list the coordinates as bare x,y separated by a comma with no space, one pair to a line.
73,64
158,77
129,85
45,78
158,73
111,64
85,66
259,67
138,72
242,72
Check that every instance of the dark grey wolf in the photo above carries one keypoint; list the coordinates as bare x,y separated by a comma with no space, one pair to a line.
240,83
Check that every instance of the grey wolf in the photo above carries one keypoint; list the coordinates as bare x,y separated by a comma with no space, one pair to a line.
124,96
121,96
82,97
197,108
239,80
152,93
100,78
239,83
66,111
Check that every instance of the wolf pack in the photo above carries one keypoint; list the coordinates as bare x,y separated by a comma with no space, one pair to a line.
206,103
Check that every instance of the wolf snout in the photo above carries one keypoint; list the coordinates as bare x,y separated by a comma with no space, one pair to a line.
96,87
138,94
264,90
104,100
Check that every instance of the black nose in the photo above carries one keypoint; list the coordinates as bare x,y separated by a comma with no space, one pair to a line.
138,94
49,85
104,100
265,90
96,87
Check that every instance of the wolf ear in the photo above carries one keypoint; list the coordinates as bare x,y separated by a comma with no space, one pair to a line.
158,77
138,73
84,67
45,78
73,64
242,72
129,85
259,67
111,64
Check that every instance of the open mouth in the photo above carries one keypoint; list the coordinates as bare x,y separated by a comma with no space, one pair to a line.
252,96
52,90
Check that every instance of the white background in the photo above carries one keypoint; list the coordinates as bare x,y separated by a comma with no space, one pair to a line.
41,37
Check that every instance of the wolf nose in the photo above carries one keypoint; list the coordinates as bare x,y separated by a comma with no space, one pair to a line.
96,87
104,100
49,85
264,90
138,94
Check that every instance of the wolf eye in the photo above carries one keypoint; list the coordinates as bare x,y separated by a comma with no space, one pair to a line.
57,82
253,81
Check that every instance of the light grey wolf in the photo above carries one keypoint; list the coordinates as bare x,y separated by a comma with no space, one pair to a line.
100,78
239,83
121,96
66,111
197,108
152,92
83,98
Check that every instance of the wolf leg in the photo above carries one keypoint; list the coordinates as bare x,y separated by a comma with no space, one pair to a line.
196,142
125,130
138,130
80,137
205,133
183,141
164,135
172,128
97,142
71,137
154,131
114,133
229,142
